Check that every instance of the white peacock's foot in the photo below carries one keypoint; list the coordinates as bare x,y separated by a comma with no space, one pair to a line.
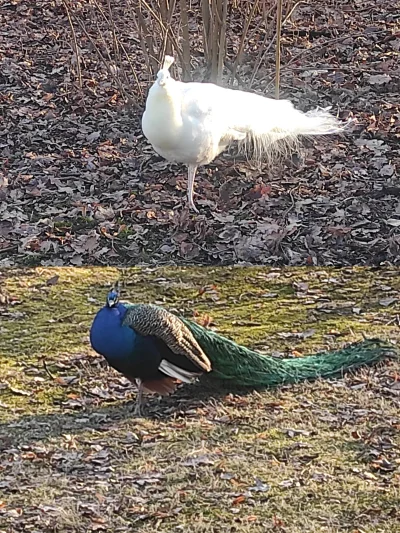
192,206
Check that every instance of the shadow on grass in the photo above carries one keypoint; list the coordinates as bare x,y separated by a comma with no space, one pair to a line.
182,404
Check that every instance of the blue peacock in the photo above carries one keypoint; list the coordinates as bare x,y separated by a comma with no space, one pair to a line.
158,350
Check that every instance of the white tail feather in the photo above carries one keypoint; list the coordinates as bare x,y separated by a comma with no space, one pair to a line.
274,127
192,123
174,371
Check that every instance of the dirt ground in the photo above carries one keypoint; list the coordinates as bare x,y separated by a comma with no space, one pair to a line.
79,185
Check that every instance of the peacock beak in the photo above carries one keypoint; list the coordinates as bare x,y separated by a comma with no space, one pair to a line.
112,299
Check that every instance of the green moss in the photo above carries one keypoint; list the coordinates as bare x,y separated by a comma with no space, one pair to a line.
125,233
33,260
271,310
63,224
76,224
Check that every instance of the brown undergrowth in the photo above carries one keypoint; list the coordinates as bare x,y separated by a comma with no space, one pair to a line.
318,457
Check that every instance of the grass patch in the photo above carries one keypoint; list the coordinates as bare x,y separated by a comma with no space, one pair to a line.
320,457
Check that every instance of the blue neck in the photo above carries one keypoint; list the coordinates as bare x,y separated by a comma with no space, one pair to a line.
109,337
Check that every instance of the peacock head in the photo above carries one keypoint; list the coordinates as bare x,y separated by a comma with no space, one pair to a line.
163,75
113,296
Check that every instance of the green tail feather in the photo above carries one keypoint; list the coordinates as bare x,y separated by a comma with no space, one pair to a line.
241,366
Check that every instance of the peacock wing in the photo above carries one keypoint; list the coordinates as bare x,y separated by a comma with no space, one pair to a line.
153,320
203,101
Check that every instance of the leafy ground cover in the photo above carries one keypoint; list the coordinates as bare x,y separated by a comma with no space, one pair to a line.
79,185
316,457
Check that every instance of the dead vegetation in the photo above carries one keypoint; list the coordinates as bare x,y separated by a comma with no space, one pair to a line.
316,458
79,185
184,29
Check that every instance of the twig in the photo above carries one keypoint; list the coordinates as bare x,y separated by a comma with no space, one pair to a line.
329,42
118,44
104,61
261,54
272,41
216,38
144,37
111,62
205,11
165,28
167,46
9,249
212,38
186,41
243,39
114,34
222,39
48,371
278,47
74,44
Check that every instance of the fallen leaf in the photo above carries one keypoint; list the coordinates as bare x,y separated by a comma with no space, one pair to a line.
53,280
239,499
199,460
379,79
19,392
388,301
260,486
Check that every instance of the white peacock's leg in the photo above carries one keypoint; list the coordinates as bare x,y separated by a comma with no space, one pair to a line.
191,175
139,398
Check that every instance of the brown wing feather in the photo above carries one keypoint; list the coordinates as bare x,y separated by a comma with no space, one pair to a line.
162,386
153,320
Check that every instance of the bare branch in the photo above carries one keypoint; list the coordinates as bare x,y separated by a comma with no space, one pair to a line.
278,47
74,44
